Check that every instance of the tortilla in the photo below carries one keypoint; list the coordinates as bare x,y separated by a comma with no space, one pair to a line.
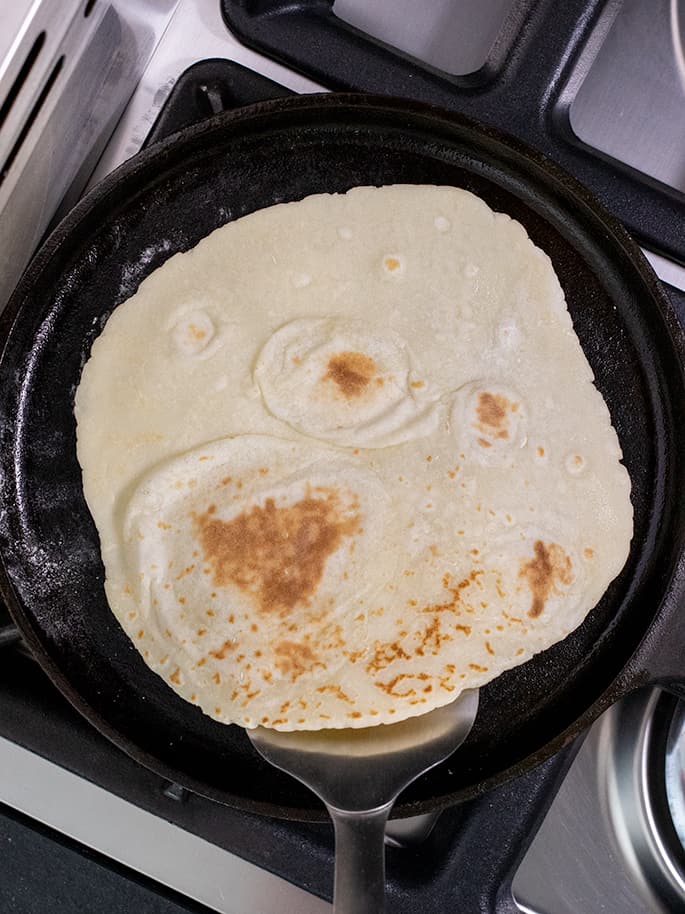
346,459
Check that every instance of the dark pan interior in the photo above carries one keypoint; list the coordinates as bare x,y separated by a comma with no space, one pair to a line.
168,199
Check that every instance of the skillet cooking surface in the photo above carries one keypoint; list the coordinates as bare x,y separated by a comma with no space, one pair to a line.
166,200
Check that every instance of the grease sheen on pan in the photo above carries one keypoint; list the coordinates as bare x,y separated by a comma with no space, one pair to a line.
346,459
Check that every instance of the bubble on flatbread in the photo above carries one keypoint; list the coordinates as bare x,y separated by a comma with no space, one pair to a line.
394,265
193,333
575,464
489,421
301,280
345,381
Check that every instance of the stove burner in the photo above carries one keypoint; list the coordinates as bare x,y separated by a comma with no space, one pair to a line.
675,771
642,773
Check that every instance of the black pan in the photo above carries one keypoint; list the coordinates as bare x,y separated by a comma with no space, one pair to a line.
164,201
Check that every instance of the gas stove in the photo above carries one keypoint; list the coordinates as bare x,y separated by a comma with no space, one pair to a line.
83,91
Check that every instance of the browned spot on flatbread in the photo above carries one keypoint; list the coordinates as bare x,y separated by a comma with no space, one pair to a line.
431,638
385,653
197,333
452,605
398,687
295,658
225,648
492,416
335,690
277,554
549,566
351,372
466,582
492,410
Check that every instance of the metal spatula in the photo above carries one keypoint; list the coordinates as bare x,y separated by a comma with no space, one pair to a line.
359,774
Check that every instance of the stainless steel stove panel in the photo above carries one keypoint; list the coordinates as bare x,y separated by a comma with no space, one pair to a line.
65,110
630,105
455,37
142,841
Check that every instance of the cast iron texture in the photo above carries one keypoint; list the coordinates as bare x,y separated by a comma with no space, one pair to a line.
164,201
526,87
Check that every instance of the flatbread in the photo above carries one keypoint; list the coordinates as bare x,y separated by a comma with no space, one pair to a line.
346,459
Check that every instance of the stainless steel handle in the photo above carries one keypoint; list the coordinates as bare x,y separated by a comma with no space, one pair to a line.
359,886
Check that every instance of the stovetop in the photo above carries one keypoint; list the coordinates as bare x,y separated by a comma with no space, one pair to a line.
114,836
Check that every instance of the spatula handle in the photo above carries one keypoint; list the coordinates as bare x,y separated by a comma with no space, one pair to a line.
359,886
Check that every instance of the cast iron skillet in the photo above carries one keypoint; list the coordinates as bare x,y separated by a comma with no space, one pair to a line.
164,201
